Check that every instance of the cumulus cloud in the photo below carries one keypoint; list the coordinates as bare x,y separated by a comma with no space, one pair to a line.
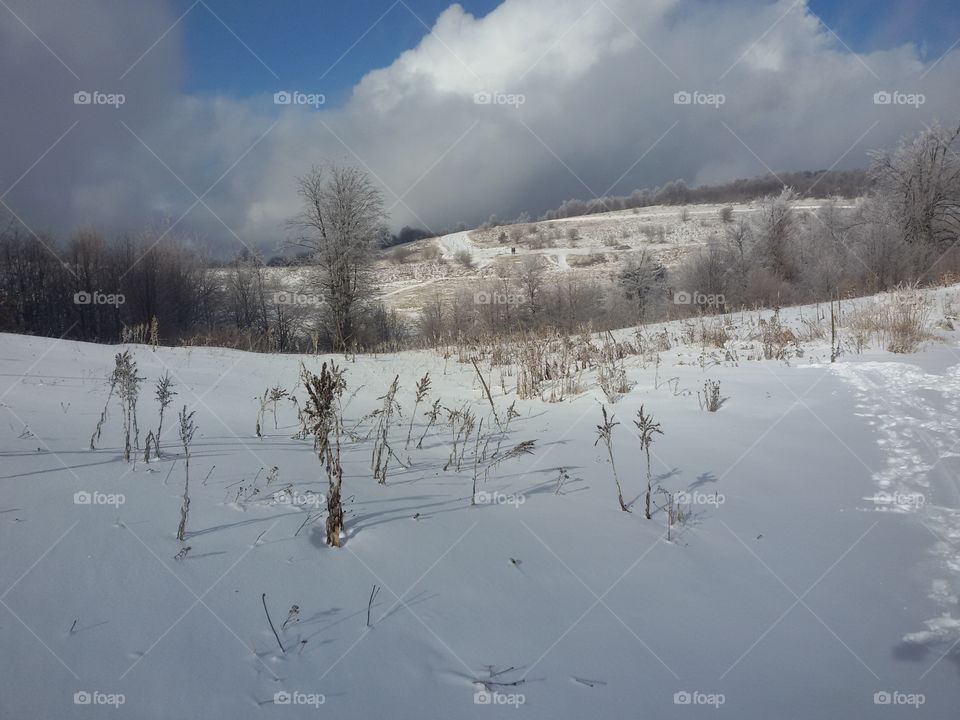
576,99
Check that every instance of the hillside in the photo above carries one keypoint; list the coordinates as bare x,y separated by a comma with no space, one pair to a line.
590,248
819,541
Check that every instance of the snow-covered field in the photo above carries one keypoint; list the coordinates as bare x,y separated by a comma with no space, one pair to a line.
816,576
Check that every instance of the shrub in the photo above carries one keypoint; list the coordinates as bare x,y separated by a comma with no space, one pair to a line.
429,252
586,260
402,254
654,233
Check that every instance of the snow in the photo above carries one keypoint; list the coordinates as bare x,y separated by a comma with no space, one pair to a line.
819,567
461,242
917,418
668,233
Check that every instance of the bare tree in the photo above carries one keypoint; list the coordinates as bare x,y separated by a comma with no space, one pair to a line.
920,183
246,292
640,279
342,217
775,227
530,279
738,238
706,274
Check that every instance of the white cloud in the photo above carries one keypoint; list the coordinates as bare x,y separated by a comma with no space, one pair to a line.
598,80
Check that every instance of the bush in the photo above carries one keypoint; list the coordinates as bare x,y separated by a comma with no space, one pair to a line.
429,252
402,254
464,258
654,233
586,260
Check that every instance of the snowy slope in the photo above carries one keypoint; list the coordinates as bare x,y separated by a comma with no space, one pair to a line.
819,567
429,265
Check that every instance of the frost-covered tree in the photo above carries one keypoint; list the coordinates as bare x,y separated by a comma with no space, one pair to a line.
340,223
920,181
640,278
775,231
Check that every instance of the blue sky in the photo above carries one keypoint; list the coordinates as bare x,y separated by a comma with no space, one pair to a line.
876,24
302,40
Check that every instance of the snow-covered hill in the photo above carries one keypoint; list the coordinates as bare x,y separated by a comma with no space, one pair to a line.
815,575
592,247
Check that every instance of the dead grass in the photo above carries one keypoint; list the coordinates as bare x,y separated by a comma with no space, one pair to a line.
898,322
713,333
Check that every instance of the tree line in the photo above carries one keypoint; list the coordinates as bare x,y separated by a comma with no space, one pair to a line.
904,231
155,287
